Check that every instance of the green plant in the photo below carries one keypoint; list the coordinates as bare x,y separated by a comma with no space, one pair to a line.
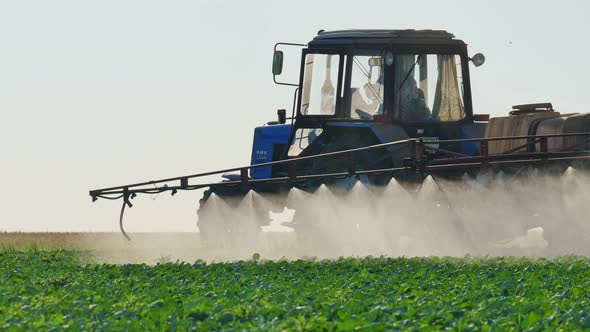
45,289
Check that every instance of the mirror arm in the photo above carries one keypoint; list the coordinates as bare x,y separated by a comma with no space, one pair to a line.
274,77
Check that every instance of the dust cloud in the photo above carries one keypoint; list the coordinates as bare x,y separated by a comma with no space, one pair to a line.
530,214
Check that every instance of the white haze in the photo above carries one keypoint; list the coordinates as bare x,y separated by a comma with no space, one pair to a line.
532,214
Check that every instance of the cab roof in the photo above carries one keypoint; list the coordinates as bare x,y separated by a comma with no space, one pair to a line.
381,33
359,37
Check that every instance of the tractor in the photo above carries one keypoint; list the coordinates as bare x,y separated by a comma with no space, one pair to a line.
371,106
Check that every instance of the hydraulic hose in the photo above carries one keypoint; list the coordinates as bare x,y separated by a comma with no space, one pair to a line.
125,202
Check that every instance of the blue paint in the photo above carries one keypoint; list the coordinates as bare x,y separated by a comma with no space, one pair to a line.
358,125
468,148
263,149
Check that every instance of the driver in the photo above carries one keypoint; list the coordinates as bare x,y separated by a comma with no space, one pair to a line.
367,101
412,105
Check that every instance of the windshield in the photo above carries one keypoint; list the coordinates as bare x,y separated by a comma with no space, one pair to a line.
424,87
428,87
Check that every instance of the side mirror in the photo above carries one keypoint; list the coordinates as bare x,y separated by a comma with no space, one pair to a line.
277,63
478,59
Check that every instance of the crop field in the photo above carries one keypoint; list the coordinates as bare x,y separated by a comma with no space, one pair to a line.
66,289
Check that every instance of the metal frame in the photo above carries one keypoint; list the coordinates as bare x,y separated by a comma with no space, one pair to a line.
274,77
419,162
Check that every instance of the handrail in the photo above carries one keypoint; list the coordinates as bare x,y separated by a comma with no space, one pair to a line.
504,138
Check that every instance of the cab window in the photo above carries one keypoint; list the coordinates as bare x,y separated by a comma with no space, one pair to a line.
320,80
428,87
366,86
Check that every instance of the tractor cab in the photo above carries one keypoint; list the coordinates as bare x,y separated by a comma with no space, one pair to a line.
365,87
405,76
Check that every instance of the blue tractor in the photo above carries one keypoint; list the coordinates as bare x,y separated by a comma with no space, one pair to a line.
372,105
361,88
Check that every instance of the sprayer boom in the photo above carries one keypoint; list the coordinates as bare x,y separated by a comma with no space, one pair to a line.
418,163
418,166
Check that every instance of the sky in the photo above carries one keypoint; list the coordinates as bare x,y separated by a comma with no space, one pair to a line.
102,93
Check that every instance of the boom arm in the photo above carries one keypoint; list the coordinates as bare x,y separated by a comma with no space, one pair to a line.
418,162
